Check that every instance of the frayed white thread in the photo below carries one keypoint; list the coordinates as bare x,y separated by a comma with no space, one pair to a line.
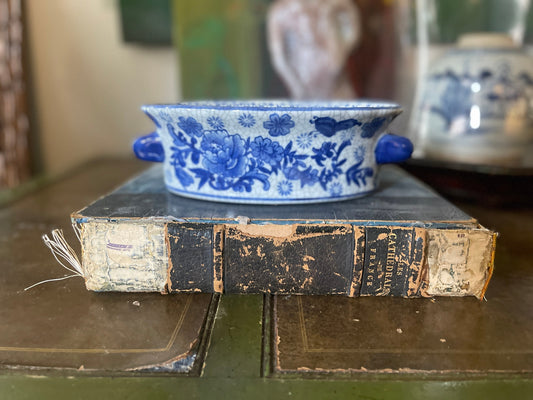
77,231
61,250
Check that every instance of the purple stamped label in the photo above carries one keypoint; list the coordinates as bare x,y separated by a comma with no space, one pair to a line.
119,247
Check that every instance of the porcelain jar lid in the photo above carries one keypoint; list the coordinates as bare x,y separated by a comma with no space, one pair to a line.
486,40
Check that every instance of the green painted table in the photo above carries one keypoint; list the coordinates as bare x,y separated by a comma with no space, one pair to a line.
238,362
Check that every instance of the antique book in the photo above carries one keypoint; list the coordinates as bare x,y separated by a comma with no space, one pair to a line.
403,240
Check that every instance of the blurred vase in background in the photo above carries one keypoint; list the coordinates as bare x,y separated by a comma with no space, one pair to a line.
473,102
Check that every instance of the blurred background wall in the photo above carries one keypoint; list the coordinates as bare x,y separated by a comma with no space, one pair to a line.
88,84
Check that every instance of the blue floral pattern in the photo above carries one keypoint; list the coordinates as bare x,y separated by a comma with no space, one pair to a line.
190,126
224,154
226,162
247,120
304,140
359,154
165,117
279,126
329,126
369,129
285,188
456,99
452,95
335,189
266,151
215,123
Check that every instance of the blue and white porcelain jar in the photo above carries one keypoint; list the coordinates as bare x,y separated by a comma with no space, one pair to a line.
272,152
477,105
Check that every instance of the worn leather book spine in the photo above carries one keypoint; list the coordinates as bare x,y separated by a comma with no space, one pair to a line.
395,263
291,259
340,259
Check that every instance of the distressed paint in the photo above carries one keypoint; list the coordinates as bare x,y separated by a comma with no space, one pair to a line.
305,259
301,258
124,256
459,264
417,280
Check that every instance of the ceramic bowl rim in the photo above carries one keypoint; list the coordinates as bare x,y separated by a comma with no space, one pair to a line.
280,105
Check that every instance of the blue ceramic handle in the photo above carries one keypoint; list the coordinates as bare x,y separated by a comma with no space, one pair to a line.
149,148
393,149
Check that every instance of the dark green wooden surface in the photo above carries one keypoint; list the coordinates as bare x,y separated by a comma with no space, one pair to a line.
232,370
181,388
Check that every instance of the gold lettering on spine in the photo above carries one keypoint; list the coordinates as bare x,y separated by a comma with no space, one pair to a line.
390,262
371,267
218,263
359,260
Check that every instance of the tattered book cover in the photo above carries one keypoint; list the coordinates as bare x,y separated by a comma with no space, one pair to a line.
403,240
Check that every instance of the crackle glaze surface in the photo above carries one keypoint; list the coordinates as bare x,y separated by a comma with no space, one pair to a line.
270,152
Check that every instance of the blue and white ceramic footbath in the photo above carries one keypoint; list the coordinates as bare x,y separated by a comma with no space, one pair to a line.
272,152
